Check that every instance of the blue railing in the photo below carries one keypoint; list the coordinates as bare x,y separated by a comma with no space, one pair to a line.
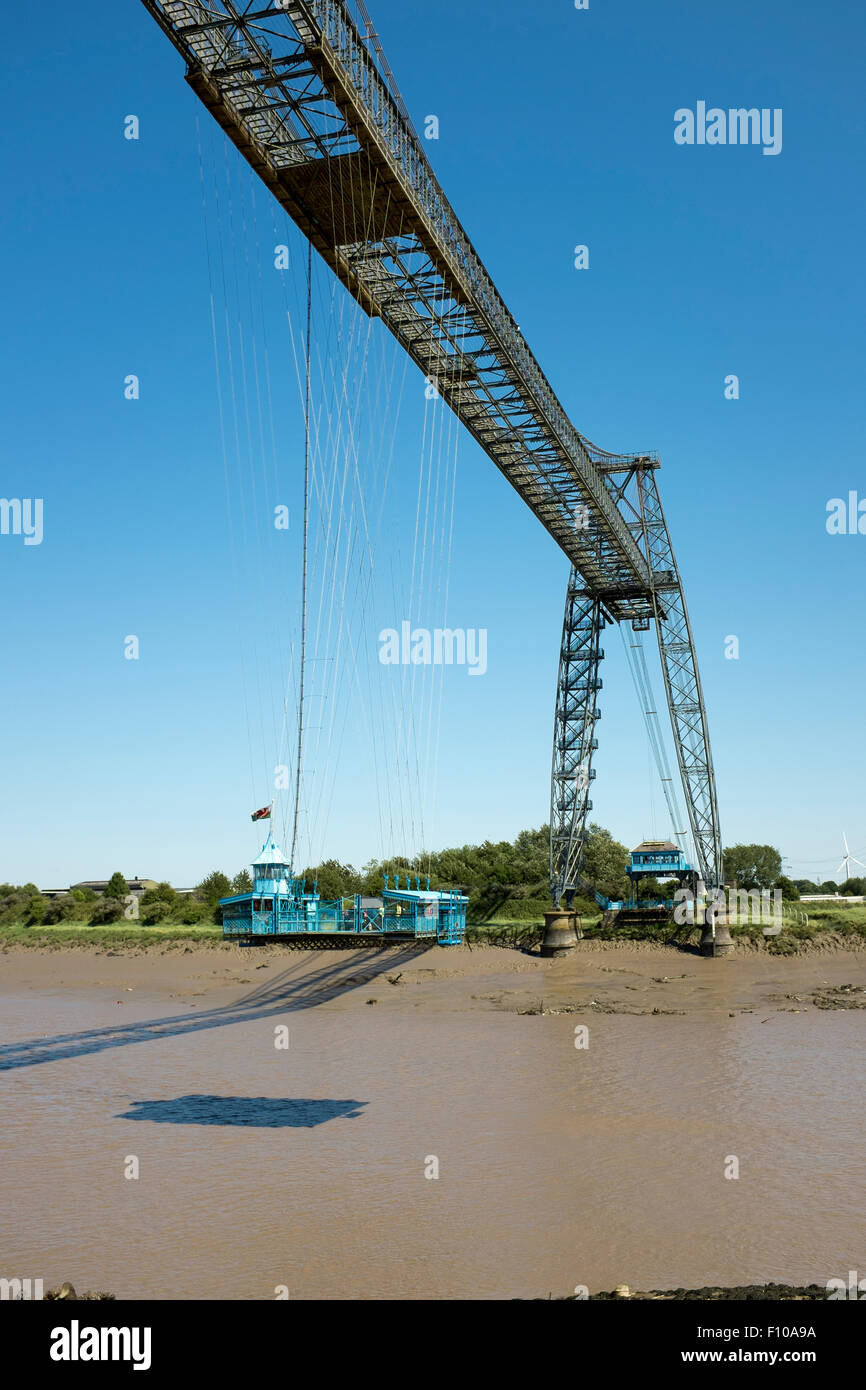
443,919
642,903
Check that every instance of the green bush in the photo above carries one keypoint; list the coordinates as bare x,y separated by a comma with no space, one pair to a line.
192,911
585,907
35,910
25,905
106,910
162,893
58,910
154,912
79,911
499,908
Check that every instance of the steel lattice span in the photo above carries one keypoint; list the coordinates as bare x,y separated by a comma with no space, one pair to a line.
310,102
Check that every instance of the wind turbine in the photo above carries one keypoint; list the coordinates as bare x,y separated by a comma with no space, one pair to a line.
848,860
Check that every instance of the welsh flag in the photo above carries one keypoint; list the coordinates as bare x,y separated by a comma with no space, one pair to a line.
263,814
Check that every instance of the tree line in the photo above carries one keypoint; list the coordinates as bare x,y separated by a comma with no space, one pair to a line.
503,879
26,905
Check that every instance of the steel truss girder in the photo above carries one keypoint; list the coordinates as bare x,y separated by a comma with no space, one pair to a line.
245,66
574,738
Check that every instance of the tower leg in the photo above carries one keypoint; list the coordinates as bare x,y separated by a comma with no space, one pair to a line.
715,935
685,700
574,741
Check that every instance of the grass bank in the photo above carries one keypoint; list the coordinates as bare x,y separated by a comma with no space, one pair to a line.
828,925
112,935
833,924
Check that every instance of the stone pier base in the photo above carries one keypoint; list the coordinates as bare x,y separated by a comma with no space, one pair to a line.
561,932
718,943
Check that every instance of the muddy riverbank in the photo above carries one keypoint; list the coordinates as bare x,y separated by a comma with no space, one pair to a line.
608,977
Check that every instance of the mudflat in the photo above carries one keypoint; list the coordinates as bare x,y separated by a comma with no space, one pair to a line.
600,976
196,1121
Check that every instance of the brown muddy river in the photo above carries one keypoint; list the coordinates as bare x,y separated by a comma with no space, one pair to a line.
305,1167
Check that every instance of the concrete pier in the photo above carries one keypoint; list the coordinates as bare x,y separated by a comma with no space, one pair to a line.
716,942
561,932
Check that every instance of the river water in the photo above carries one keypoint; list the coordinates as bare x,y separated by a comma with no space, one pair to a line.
304,1168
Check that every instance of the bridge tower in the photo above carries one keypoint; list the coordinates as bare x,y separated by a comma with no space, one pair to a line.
632,482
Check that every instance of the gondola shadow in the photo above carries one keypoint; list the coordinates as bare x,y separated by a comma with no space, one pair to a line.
255,1112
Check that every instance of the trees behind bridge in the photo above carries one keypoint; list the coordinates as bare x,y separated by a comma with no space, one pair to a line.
506,880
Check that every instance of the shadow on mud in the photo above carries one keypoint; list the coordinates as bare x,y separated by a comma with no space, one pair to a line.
295,988
259,1112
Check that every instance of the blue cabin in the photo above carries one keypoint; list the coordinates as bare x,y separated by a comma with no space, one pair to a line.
281,906
657,859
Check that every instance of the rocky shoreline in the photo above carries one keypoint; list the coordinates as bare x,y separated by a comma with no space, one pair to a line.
746,1293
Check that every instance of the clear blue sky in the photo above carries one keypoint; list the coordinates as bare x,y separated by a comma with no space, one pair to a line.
556,129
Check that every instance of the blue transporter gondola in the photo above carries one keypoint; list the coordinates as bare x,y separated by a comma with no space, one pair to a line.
657,859
280,906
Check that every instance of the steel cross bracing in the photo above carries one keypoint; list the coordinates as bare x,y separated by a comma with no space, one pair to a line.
574,738
682,686
312,106
633,485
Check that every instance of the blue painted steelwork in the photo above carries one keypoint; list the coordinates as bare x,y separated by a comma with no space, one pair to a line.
648,902
585,887
657,859
280,906
651,859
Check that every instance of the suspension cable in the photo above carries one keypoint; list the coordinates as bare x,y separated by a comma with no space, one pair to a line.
305,549
643,688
